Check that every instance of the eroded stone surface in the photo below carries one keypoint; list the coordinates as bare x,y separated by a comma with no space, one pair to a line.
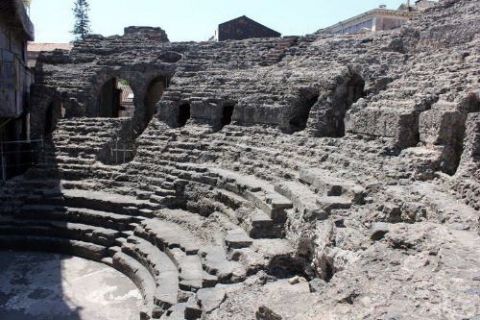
279,179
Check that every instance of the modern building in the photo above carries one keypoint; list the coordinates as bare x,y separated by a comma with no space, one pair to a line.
243,28
16,30
380,19
422,5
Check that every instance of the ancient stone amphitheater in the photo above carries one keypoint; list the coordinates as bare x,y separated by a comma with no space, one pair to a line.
312,177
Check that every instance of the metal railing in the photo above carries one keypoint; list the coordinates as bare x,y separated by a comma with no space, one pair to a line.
120,153
19,155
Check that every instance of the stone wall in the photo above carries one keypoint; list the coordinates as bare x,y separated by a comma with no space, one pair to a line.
376,86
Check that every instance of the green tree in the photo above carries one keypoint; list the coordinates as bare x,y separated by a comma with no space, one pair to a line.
81,27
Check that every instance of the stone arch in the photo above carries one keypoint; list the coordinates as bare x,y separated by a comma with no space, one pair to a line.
53,112
114,99
327,117
227,114
299,117
155,89
347,95
183,114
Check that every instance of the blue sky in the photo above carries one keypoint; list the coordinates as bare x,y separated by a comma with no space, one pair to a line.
195,20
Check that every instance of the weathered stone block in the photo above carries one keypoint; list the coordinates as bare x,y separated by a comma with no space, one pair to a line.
398,123
441,124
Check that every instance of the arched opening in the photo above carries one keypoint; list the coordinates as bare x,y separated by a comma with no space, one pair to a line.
227,114
116,99
354,90
183,114
298,122
55,111
154,93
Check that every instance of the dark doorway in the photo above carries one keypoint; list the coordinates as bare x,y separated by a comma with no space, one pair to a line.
355,89
300,118
49,122
115,99
227,114
183,114
54,112
154,93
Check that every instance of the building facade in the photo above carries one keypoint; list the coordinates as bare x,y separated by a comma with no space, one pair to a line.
379,19
16,30
243,28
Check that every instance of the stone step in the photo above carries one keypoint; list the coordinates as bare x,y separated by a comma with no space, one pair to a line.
324,183
78,215
261,193
160,266
48,228
167,235
192,277
141,277
304,200
55,245
259,225
103,201
215,262
237,239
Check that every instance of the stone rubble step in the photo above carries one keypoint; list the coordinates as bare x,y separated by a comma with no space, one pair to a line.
168,235
191,271
160,266
215,262
323,182
237,239
304,200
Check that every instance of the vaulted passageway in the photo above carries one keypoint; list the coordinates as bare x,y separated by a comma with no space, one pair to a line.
54,112
115,99
348,95
299,119
227,114
155,91
183,114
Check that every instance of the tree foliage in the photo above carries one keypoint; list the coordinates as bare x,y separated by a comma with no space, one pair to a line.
81,27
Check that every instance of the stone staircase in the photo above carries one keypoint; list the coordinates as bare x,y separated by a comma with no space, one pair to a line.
163,257
245,150
119,215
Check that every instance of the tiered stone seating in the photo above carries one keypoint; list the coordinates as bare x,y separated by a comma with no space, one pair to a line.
101,219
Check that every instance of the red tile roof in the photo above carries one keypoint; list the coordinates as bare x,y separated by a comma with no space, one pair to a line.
37,46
